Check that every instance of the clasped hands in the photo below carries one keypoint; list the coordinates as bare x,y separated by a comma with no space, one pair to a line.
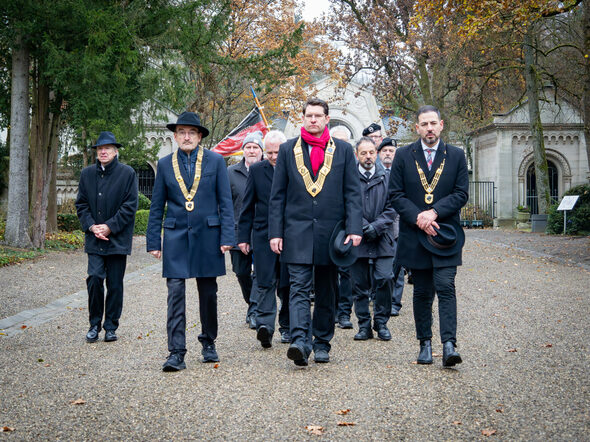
101,231
426,221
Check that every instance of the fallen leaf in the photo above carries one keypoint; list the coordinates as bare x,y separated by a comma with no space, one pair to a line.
499,410
548,345
343,411
315,429
216,366
390,366
436,355
457,422
3,334
511,350
139,337
78,402
346,424
6,429
23,327
47,365
415,362
488,432
40,360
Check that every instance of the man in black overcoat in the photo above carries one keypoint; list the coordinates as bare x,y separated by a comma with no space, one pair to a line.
106,206
428,186
238,175
315,186
271,275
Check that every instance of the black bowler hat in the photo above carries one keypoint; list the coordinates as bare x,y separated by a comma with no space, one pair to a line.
374,127
341,254
189,119
448,241
386,142
106,137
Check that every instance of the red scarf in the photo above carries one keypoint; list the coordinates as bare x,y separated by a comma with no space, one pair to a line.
318,146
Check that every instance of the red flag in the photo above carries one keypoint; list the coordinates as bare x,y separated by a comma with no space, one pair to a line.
232,143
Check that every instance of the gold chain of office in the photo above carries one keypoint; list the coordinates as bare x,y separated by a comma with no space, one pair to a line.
313,188
429,188
189,204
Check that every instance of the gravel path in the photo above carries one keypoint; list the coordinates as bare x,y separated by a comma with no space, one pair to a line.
522,333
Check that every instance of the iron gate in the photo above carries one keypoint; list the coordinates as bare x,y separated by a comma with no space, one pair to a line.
480,209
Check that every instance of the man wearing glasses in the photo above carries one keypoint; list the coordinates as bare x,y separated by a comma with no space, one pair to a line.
374,133
198,230
315,188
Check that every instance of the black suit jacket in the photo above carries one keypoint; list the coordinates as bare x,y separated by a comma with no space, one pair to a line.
304,222
407,197
253,220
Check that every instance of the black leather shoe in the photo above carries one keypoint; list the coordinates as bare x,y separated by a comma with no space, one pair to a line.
321,356
344,322
175,362
264,336
363,334
252,322
383,332
285,337
425,356
394,312
110,336
450,355
209,353
92,335
297,355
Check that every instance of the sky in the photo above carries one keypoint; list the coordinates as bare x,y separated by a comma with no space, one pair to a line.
314,8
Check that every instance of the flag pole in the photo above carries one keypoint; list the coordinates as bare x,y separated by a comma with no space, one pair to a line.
258,105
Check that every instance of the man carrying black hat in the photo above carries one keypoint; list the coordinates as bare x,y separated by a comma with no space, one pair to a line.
428,186
106,206
315,185
198,230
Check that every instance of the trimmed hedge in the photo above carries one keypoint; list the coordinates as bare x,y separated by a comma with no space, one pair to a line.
144,202
578,219
68,222
141,222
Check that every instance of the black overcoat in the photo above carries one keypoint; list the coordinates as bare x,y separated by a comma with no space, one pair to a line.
238,175
192,240
108,197
407,197
377,211
253,221
304,222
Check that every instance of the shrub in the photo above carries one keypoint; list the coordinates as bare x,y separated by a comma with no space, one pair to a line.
144,202
141,221
2,229
578,219
68,222
68,206
64,240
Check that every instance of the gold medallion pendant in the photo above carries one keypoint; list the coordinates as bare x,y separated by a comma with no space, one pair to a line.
189,204
313,188
429,188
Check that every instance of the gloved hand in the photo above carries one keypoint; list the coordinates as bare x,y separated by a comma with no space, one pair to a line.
369,233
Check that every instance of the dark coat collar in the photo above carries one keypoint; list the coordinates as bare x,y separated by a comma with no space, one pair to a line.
109,167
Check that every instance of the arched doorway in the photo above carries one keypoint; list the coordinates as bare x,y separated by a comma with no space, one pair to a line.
146,178
532,199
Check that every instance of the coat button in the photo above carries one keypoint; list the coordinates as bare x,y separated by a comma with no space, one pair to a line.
99,194
315,203
315,220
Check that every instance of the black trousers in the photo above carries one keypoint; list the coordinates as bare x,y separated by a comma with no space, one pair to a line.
363,274
242,266
176,321
427,282
324,279
111,268
264,289
344,293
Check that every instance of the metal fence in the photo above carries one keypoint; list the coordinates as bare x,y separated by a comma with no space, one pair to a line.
480,209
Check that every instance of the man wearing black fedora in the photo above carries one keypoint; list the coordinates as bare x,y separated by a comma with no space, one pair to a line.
428,186
198,230
106,206
315,185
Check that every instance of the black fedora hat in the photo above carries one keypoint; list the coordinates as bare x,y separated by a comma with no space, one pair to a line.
341,254
189,119
448,241
106,137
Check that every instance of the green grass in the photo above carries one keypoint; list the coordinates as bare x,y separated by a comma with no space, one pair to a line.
10,255
53,242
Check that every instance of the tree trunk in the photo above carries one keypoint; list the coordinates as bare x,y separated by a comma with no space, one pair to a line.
44,126
17,220
586,97
52,202
532,91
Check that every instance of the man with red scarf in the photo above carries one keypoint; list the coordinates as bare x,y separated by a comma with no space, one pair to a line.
315,186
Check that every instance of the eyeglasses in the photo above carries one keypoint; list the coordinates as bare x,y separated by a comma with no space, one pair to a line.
191,133
314,116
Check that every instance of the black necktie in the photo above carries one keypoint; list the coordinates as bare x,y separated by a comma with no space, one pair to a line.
368,174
